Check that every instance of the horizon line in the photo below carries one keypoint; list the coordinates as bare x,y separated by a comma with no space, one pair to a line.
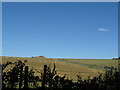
58,57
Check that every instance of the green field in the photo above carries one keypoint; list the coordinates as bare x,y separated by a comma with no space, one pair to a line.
70,67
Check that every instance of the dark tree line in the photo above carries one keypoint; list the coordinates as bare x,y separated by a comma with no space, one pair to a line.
21,77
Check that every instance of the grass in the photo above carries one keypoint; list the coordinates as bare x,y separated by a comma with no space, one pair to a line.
70,67
98,62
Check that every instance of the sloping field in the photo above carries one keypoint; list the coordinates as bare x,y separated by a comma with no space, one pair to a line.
95,63
70,67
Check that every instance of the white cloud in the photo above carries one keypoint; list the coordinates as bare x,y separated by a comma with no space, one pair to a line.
103,29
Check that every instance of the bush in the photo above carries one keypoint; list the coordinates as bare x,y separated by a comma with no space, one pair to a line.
16,78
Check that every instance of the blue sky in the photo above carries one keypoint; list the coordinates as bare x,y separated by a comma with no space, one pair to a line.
67,30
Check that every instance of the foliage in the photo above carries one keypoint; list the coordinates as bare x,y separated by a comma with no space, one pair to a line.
15,78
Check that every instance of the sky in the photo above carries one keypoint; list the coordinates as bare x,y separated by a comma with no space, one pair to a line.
62,30
60,0
0,29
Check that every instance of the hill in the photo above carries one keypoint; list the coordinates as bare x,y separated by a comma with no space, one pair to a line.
70,67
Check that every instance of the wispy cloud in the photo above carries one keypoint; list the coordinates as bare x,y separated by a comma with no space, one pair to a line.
103,29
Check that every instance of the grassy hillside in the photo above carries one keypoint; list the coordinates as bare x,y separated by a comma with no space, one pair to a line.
70,67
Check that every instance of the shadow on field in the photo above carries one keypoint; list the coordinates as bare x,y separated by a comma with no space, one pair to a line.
21,77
